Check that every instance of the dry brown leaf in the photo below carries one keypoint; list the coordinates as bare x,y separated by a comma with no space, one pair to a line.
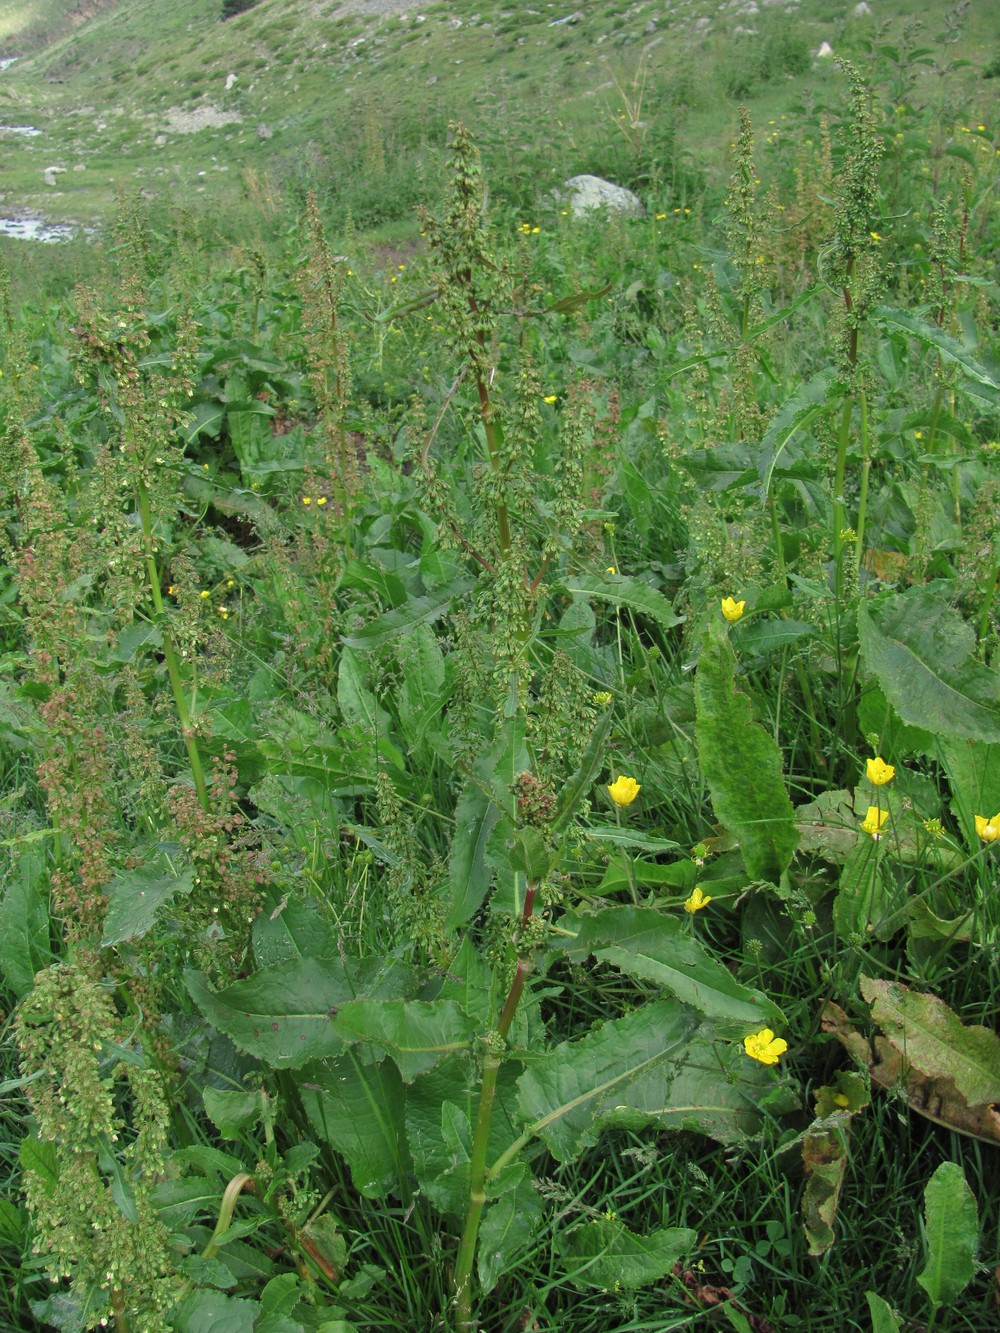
935,1098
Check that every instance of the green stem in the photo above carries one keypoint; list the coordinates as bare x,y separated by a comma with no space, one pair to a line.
866,464
477,1165
839,480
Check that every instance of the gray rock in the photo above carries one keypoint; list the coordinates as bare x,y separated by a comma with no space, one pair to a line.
585,193
861,11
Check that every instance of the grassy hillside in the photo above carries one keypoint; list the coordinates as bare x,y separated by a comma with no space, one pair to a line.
169,99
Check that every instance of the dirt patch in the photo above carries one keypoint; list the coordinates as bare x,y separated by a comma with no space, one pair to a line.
180,121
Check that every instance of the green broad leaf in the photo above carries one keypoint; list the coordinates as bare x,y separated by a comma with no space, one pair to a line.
947,347
604,1253
530,854
39,1157
282,1014
761,638
278,1300
884,1319
973,770
358,1110
741,763
921,653
179,1203
469,869
927,925
644,942
137,895
415,1033
293,927
628,594
580,781
402,619
794,415
357,703
471,984
24,923
862,899
623,874
935,1041
951,1233
232,1111
440,1108
214,1312
570,1094
207,1272
506,1230
13,1224
423,693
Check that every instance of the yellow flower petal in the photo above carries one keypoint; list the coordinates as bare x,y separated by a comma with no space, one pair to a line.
623,791
873,821
731,609
988,829
879,772
765,1046
697,901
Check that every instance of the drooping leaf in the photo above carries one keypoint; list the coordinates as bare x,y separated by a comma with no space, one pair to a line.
570,1093
947,347
356,700
416,611
214,1312
506,1230
282,1014
358,1110
605,1253
469,869
644,942
741,763
937,1099
951,1232
415,1033
933,1039
921,650
136,895
231,1110
808,402
24,923
629,594
824,1158
883,1318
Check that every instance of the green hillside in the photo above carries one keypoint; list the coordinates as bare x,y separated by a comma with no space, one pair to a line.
353,100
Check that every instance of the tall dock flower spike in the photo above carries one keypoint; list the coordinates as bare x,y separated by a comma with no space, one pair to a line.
623,791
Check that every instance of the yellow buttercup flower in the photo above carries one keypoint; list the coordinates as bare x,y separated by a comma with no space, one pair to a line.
873,821
623,791
731,609
765,1046
879,772
696,901
988,829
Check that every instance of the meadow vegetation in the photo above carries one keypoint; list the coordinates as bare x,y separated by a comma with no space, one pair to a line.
500,719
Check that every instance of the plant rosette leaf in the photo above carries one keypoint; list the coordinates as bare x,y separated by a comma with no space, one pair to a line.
951,1232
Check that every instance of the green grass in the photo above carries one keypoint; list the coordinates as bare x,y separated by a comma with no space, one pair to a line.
285,521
